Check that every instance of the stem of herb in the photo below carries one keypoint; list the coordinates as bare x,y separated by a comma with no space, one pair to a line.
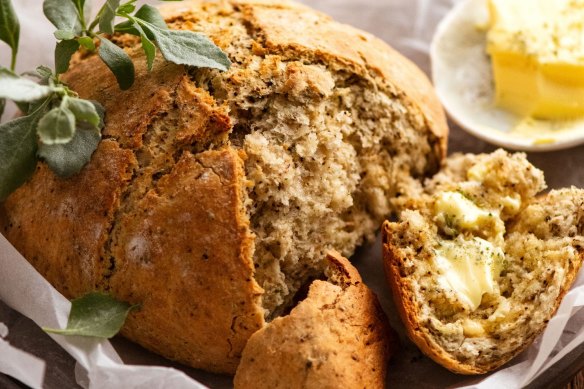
95,21
92,25
13,60
82,18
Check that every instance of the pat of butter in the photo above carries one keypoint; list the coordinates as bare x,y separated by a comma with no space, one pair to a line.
472,329
511,204
454,211
469,268
537,52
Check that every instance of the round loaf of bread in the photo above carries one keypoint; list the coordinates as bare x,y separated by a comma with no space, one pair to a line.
214,196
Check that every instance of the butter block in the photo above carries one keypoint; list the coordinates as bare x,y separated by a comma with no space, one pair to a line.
469,268
537,53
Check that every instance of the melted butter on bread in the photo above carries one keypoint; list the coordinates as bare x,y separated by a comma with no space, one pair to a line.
469,268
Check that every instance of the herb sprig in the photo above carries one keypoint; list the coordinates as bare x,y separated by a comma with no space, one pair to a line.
95,314
58,126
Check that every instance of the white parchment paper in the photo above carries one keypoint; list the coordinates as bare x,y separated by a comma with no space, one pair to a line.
406,25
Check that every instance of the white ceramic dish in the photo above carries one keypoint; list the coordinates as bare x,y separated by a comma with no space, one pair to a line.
461,72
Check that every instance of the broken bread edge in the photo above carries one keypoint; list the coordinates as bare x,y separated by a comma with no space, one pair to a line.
337,337
405,301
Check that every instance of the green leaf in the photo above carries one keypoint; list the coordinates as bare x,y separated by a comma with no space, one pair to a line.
126,27
106,20
64,34
87,42
188,48
118,61
150,14
95,314
63,15
21,89
80,5
9,28
149,49
66,160
101,113
127,8
18,146
63,53
44,72
57,126
147,14
148,46
83,110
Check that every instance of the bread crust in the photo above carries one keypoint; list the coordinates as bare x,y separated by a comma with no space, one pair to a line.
337,337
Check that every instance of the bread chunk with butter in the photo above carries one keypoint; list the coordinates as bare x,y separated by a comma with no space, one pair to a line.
213,197
478,264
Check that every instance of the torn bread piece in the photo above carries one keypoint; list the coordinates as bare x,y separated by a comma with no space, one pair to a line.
337,337
478,264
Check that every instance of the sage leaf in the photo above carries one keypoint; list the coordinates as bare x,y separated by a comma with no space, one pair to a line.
44,72
95,314
126,27
101,113
106,19
149,49
18,147
57,126
147,14
64,34
63,15
188,48
147,45
63,53
66,160
127,8
9,28
83,110
21,89
150,14
87,42
118,61
80,5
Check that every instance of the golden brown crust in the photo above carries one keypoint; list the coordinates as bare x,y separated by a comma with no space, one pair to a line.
51,227
340,271
128,196
188,238
338,337
128,112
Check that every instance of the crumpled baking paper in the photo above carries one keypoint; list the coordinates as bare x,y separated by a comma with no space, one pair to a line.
408,26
